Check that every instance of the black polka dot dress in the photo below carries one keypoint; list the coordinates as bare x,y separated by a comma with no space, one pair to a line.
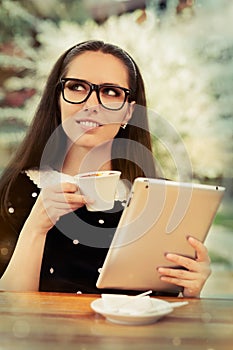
75,247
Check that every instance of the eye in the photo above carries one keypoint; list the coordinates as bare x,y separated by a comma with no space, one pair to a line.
111,91
77,86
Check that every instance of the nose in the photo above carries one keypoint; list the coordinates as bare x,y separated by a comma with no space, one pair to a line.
92,102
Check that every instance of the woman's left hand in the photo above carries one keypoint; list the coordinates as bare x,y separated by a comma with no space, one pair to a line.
196,273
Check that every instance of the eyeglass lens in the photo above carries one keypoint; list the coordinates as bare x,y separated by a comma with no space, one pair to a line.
111,97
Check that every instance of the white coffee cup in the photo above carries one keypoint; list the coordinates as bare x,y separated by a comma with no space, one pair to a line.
99,186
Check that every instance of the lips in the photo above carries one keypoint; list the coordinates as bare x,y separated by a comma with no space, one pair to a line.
88,124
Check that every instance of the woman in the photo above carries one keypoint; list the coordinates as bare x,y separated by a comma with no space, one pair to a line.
86,121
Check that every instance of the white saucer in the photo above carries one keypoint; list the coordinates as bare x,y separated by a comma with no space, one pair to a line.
159,309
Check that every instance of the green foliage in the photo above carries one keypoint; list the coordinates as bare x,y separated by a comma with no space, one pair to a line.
225,219
220,260
15,20
57,10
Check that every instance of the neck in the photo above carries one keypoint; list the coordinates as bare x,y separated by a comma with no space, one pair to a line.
81,160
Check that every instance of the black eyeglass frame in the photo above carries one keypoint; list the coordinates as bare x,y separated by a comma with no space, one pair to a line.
96,88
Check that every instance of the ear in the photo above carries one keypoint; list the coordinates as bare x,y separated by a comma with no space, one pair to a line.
129,112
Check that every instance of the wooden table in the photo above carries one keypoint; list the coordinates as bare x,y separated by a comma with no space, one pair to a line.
42,321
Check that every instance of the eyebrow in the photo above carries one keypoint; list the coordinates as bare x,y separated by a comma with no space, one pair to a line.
105,83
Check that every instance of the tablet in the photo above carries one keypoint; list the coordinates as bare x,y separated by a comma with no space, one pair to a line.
158,217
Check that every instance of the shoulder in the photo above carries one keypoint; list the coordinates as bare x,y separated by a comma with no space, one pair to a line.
23,191
22,196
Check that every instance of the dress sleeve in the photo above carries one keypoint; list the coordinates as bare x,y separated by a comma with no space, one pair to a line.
23,195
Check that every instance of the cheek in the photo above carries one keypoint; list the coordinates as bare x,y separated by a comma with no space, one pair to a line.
110,131
68,109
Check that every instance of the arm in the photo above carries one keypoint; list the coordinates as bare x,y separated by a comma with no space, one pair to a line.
23,270
198,270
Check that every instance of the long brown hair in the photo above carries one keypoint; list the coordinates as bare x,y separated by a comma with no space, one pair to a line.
131,160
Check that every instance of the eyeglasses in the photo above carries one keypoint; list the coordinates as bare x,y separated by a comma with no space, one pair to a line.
110,96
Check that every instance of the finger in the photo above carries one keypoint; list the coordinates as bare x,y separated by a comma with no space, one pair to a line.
77,201
190,288
179,260
59,199
59,189
63,187
191,284
177,281
177,273
201,250
61,207
75,198
69,187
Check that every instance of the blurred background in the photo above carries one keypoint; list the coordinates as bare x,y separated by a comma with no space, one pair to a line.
184,49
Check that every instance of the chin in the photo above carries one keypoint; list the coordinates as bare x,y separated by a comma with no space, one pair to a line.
89,142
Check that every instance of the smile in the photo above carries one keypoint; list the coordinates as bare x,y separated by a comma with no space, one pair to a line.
89,124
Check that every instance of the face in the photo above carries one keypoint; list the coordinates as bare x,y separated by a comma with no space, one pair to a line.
89,124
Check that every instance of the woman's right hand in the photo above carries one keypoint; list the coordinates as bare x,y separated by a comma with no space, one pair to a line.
54,202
